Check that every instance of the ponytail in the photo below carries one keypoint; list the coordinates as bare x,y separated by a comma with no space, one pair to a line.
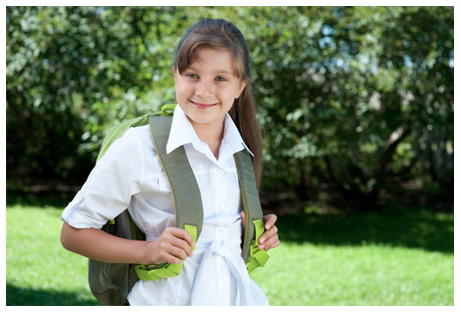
243,113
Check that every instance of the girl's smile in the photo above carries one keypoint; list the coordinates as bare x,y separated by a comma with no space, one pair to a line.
203,106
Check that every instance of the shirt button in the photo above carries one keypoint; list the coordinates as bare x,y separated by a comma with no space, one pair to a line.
221,206
223,269
221,231
218,170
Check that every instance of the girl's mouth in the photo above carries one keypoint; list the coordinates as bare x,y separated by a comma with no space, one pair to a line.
202,106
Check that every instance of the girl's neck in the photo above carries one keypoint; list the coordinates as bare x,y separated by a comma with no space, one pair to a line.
211,134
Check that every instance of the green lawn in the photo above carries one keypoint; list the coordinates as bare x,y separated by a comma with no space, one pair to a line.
397,258
365,275
39,271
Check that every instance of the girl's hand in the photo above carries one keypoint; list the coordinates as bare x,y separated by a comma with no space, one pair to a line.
270,238
173,246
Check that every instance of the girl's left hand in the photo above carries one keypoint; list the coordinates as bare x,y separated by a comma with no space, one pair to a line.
270,238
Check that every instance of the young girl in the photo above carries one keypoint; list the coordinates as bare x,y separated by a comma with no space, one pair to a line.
215,119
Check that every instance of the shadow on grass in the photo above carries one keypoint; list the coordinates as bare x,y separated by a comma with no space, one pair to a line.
16,296
411,228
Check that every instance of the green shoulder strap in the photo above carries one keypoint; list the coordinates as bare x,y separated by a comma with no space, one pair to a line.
253,256
185,191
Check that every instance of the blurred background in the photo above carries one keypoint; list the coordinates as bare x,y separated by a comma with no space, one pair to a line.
356,106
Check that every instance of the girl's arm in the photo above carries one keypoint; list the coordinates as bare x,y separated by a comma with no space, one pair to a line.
173,246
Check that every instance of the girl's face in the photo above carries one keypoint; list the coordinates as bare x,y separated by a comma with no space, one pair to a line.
207,87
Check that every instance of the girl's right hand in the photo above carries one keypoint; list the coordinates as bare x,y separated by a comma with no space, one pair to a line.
172,246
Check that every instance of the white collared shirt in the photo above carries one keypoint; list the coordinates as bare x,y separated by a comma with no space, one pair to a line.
129,176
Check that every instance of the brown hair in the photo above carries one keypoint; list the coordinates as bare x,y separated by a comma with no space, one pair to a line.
220,34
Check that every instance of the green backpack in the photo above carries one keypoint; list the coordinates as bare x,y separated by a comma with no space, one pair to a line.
111,283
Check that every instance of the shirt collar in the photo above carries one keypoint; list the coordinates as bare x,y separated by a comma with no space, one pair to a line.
182,133
232,136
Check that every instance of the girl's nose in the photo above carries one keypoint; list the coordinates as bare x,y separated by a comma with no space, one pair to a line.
204,88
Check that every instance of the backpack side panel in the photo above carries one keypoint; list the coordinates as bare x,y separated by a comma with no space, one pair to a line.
111,283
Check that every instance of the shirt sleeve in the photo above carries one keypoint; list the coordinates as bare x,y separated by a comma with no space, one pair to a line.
117,176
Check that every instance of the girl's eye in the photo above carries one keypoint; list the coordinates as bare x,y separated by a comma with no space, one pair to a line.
221,79
192,75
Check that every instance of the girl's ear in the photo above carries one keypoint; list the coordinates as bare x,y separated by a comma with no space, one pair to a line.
240,90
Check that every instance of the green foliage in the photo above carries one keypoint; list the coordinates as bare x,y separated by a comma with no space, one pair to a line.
350,96
349,86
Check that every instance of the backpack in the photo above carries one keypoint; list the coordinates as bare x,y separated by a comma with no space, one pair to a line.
111,283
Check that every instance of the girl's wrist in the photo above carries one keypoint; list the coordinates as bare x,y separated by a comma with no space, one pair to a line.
146,253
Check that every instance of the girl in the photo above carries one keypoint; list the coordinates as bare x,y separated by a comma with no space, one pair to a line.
215,119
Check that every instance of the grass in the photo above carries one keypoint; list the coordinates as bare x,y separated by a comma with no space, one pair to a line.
365,275
38,270
394,258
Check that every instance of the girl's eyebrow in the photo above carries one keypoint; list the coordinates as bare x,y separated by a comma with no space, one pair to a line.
218,72
225,72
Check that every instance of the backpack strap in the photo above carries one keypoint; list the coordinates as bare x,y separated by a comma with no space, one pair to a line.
189,211
254,226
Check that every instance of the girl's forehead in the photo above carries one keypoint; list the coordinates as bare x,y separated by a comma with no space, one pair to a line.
218,60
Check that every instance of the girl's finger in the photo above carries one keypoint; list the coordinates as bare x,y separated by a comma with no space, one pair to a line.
180,253
269,233
270,243
184,235
173,260
269,220
182,246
